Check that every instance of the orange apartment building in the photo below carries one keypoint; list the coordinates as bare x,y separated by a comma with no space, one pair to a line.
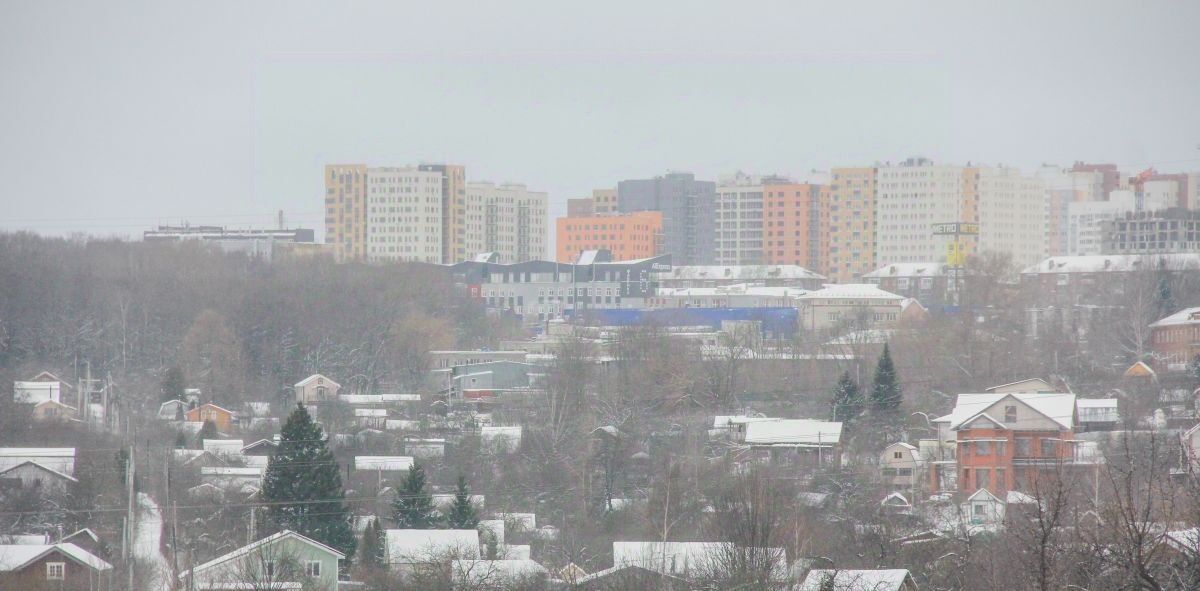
346,210
636,235
851,210
1006,441
796,225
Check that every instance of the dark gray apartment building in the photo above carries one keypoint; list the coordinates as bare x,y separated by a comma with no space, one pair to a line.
1169,231
688,211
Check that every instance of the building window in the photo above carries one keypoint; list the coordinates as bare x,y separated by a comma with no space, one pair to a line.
983,448
1049,448
1024,447
1010,414
56,571
312,568
982,479
898,455
269,569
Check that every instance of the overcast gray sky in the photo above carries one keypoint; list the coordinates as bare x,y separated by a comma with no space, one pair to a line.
115,116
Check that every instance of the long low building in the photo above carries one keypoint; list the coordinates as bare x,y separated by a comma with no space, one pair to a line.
686,276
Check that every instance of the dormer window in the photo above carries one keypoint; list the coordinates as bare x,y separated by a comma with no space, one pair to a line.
1010,414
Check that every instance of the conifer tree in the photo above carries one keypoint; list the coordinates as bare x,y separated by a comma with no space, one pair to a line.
207,431
848,401
303,486
462,513
173,384
371,554
413,507
885,390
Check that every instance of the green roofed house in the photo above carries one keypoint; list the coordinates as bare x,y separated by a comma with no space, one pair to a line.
286,560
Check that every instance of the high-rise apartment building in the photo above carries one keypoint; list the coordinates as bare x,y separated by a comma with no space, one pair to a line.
851,211
1011,214
739,219
454,210
629,236
910,199
346,210
917,203
687,207
507,219
604,201
797,222
405,219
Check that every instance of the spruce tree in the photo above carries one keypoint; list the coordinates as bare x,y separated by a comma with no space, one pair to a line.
303,486
413,506
885,389
207,431
848,401
372,552
173,384
462,513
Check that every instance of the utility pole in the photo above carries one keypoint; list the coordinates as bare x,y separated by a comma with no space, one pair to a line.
129,520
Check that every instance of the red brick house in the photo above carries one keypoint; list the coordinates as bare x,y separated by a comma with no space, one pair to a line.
222,418
1175,340
1004,441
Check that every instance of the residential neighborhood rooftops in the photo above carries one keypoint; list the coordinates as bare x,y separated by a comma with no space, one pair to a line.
17,556
929,269
1114,263
858,580
801,432
407,546
385,463
858,291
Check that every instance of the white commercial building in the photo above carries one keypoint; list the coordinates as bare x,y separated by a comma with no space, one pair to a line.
404,215
509,220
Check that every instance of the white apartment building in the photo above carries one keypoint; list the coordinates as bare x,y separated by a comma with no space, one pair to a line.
507,219
910,199
1085,221
1013,217
404,215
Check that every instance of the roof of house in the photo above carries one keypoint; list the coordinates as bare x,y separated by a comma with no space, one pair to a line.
230,471
1096,403
1113,263
1055,406
493,571
385,463
248,548
984,495
420,545
370,412
1036,385
310,379
211,405
1185,540
804,432
1182,317
18,556
857,580
260,442
224,446
857,291
600,574
908,270
37,452
739,272
40,467
1138,370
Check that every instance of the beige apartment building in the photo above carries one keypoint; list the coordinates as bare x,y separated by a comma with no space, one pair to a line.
454,210
507,219
851,224
346,210
1012,214
404,214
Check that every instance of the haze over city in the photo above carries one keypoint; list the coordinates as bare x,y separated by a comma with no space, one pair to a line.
108,111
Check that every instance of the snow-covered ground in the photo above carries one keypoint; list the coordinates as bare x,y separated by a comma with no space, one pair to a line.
147,546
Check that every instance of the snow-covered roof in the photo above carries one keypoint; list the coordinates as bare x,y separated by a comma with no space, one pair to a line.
1016,497
312,378
856,580
493,526
983,494
1055,406
739,272
736,289
677,557
526,521
24,539
445,500
908,270
370,412
1096,403
1026,385
60,459
1186,541
1180,318
378,398
247,549
384,463
805,432
855,291
1114,263
17,556
491,434
41,467
224,447
492,572
406,546
246,472
402,424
